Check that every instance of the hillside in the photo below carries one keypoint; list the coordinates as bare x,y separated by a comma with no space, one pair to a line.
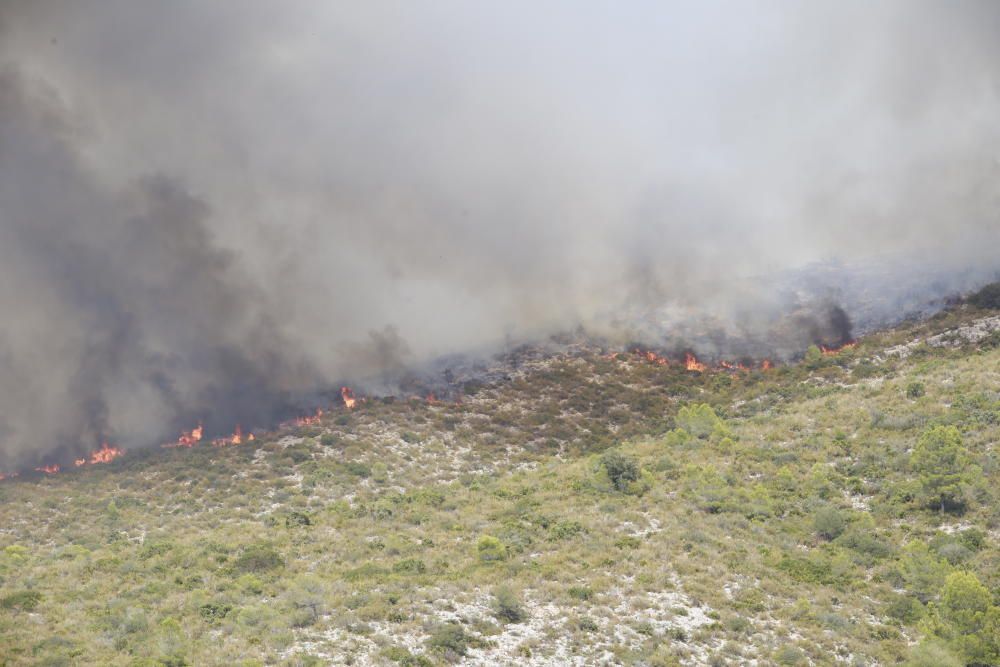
592,509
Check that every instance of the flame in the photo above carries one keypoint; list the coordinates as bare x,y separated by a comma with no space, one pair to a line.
48,470
348,396
105,454
833,351
79,462
235,439
311,420
431,398
730,366
250,437
692,364
766,365
188,438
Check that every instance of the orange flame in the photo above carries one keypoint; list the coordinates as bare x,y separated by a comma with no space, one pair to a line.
235,439
48,470
833,351
766,365
105,454
188,438
348,396
692,364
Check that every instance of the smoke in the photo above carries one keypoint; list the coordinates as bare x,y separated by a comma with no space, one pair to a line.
207,211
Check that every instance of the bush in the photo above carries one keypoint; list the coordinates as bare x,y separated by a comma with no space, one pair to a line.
621,469
699,420
450,639
829,522
915,389
214,611
491,549
21,601
258,558
297,519
506,607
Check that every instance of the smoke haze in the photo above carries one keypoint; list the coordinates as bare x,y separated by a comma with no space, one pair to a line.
210,208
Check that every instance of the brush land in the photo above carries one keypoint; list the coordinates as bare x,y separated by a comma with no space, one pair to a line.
590,510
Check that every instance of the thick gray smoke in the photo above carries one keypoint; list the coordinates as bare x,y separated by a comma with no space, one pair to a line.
209,208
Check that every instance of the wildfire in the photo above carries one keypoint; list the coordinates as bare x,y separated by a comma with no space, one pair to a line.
691,363
49,469
105,454
431,398
235,439
311,420
348,396
833,351
188,438
766,365
654,358
730,366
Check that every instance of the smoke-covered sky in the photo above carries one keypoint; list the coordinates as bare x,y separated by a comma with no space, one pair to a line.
206,207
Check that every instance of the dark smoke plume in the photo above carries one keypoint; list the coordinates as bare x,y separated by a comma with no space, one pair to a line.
209,211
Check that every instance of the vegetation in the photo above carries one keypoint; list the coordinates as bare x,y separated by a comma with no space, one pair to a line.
591,509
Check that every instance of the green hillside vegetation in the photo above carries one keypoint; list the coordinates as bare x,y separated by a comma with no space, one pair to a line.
844,510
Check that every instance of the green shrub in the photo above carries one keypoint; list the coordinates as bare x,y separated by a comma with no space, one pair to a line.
410,566
699,420
566,529
506,606
491,549
450,639
622,470
358,468
258,558
21,600
214,611
829,522
295,519
915,389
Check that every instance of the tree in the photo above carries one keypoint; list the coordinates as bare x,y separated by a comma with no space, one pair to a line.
942,464
971,619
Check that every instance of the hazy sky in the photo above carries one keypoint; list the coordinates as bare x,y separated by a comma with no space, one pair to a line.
201,200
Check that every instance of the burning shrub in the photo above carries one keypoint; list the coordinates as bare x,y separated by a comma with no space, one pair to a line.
987,297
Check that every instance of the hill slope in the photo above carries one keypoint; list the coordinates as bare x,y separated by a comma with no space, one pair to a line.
590,510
